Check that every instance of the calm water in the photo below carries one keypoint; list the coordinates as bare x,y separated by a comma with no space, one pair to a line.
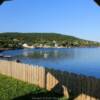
84,61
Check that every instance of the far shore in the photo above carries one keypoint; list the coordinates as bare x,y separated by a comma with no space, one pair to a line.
3,49
6,49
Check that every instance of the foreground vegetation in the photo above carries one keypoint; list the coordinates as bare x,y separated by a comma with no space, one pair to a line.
12,89
16,40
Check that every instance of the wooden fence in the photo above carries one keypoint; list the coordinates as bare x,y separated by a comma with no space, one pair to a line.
75,87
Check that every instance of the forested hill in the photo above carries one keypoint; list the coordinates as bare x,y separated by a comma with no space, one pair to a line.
15,40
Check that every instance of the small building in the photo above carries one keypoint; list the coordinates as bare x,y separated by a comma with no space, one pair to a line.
27,46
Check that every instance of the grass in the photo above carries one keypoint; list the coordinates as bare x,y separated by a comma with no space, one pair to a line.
12,89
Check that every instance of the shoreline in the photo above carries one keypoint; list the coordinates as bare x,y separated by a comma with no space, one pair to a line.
3,49
6,49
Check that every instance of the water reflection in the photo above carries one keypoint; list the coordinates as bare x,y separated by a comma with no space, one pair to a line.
48,54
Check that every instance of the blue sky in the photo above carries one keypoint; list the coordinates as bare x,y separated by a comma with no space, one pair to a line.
80,18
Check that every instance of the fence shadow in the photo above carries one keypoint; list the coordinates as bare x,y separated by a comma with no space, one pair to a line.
76,87
40,96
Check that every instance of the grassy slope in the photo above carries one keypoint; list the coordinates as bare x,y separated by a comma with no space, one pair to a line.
12,89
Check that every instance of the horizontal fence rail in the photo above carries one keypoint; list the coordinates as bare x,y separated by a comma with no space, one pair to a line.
73,86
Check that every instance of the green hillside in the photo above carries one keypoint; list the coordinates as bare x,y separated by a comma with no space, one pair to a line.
16,40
